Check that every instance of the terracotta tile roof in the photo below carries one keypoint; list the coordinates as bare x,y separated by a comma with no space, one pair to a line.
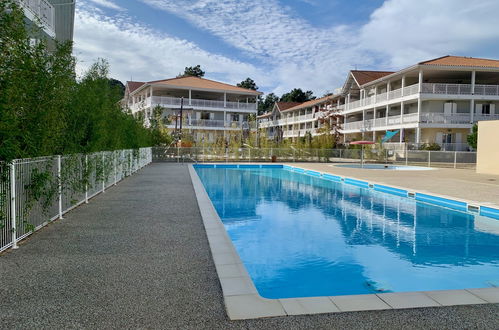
202,83
133,85
462,61
281,106
310,103
364,77
267,114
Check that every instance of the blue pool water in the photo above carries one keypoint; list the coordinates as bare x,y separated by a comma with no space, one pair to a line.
304,236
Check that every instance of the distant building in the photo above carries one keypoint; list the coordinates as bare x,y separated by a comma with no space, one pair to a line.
291,120
54,17
431,102
210,108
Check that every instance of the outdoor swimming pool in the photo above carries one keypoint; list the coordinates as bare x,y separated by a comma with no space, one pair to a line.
386,167
301,235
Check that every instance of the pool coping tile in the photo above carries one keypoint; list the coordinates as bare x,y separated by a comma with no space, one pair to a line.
454,297
242,300
352,303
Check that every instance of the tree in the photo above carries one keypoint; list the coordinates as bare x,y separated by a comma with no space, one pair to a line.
267,103
248,83
297,95
192,71
473,137
116,83
46,110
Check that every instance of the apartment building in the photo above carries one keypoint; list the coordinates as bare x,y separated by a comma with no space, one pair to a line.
54,18
291,120
210,109
432,102
435,101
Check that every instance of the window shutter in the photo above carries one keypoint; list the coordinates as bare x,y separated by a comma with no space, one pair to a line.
492,108
478,108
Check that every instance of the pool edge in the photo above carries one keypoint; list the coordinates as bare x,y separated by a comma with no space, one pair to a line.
242,300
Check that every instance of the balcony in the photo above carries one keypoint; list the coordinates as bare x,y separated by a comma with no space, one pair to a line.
199,103
426,88
40,11
433,118
210,124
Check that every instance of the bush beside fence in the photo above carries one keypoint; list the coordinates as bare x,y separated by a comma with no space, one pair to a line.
451,159
35,191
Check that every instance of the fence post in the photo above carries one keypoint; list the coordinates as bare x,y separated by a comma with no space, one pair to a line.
103,179
406,155
59,185
294,156
249,155
86,180
115,168
429,158
13,204
455,159
178,155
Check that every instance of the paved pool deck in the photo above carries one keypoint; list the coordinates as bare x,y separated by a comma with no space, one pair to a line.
463,184
138,257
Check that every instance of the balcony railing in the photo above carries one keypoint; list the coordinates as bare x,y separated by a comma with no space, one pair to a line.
43,10
175,101
209,123
424,118
426,88
441,118
383,97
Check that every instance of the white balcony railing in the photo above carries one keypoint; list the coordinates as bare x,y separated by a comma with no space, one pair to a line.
42,10
200,103
492,90
207,124
427,88
383,97
478,117
441,118
451,89
424,118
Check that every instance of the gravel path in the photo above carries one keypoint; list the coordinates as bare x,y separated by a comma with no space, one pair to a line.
137,257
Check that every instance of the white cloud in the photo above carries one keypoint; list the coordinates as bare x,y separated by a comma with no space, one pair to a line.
134,50
108,4
407,31
299,54
288,51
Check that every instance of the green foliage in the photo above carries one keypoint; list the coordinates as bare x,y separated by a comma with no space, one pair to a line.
430,146
248,83
473,137
194,71
46,110
297,95
267,103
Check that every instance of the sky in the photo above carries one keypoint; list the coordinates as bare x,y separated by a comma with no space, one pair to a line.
281,45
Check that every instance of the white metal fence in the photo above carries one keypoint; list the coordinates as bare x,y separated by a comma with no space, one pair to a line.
449,159
35,191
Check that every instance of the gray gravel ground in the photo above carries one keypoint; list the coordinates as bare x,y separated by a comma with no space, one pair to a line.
137,257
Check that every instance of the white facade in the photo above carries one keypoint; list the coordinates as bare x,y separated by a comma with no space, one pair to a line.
209,109
427,103
432,102
55,18
314,117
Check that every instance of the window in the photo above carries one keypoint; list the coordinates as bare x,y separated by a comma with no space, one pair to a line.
234,117
205,115
485,109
